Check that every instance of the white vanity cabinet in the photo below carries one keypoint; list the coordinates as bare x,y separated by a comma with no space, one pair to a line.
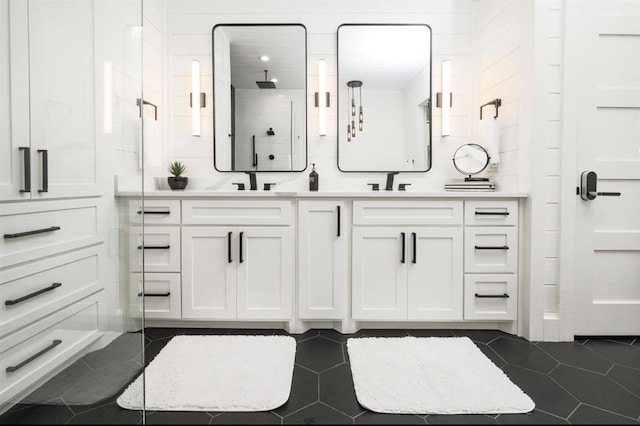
237,259
323,280
491,260
407,260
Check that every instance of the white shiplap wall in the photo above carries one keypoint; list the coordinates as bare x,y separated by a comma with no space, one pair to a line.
191,22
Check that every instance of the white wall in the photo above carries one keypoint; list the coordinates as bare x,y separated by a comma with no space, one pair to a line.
191,22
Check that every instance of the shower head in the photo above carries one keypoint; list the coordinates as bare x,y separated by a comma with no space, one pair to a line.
266,84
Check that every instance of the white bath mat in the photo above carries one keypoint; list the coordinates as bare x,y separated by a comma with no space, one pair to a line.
216,373
430,375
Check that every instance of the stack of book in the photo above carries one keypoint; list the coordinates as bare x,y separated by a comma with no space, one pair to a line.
469,185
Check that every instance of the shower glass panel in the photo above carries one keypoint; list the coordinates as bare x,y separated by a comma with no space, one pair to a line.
71,334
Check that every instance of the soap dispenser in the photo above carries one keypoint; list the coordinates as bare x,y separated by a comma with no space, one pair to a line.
313,178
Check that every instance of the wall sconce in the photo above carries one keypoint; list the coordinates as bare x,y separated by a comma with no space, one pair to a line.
196,102
444,99
322,101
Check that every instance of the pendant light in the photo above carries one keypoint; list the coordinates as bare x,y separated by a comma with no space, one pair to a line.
351,124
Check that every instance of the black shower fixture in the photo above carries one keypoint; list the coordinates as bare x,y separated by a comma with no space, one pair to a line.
266,84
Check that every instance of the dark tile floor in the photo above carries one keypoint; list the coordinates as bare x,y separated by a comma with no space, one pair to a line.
589,381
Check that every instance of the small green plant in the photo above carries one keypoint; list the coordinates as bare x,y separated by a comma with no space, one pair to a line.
177,169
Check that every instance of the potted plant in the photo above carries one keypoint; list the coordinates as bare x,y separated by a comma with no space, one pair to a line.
176,180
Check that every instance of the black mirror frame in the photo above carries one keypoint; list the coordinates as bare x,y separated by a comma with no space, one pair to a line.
430,108
213,90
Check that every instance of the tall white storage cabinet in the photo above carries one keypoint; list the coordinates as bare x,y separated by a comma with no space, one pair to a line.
51,250
323,282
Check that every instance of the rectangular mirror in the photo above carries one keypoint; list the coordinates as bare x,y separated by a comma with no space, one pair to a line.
384,97
260,88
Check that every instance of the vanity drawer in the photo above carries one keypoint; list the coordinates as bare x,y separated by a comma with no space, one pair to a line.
161,295
32,230
30,354
407,212
491,212
490,249
237,212
490,297
156,212
33,291
161,249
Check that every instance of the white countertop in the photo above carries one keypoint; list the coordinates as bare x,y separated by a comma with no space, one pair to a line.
320,194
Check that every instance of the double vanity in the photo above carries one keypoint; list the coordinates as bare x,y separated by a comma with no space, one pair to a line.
344,260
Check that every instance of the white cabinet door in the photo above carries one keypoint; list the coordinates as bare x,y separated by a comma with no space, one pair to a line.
379,273
208,273
322,266
435,283
52,107
62,97
264,272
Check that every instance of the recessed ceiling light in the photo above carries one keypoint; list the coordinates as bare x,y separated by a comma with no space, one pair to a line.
275,80
264,58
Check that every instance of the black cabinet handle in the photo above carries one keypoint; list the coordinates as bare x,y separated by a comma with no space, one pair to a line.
27,168
492,247
491,213
34,232
403,249
45,170
415,247
492,296
338,207
240,245
229,247
154,247
13,368
167,294
153,212
30,295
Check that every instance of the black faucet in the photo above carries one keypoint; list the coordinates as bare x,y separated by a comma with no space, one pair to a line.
389,186
253,184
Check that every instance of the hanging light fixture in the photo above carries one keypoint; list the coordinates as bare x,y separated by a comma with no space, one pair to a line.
351,124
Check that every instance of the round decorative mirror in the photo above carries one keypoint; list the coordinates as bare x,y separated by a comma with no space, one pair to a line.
471,159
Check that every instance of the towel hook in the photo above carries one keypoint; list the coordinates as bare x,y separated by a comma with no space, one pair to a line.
497,102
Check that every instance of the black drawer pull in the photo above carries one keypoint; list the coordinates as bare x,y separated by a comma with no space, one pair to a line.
492,296
338,212
27,168
153,212
154,247
402,235
13,368
492,247
240,247
34,294
26,234
492,213
167,294
229,247
415,247
45,170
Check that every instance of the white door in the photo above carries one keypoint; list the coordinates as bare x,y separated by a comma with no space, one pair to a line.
435,274
209,262
379,276
605,38
322,267
265,272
